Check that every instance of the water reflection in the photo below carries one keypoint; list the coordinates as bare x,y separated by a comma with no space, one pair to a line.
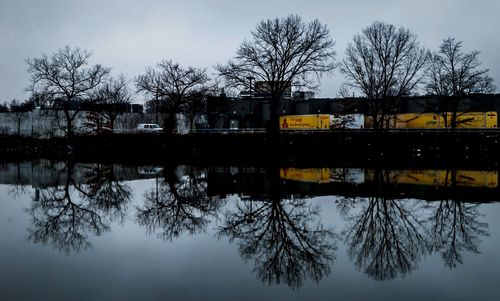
65,213
178,204
385,237
392,219
284,237
455,228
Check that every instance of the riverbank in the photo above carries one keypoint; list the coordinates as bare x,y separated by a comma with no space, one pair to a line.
340,148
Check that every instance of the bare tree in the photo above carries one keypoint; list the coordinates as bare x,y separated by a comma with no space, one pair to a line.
452,75
169,86
196,102
282,53
384,64
112,97
4,108
19,112
66,81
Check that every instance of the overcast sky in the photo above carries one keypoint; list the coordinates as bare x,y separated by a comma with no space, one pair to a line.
128,35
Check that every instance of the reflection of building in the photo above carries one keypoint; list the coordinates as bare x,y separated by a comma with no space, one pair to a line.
464,185
149,170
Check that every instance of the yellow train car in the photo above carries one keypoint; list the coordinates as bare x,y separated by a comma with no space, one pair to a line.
390,122
419,121
469,120
475,120
305,122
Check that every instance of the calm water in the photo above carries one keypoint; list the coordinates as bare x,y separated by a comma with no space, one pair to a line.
112,232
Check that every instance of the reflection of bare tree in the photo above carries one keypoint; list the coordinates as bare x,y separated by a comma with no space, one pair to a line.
385,237
20,183
283,238
176,205
108,193
64,215
456,228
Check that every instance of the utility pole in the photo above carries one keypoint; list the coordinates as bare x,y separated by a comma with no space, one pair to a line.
250,78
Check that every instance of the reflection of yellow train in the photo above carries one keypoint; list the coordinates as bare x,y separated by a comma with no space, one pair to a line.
437,121
467,178
316,175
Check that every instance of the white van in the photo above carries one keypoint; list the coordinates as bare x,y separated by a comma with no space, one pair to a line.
149,127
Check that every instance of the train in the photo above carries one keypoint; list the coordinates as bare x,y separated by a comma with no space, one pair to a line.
464,120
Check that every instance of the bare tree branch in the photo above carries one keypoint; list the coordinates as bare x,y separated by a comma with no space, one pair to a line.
283,52
65,81
384,63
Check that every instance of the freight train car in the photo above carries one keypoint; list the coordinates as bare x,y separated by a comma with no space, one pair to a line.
305,122
321,122
469,120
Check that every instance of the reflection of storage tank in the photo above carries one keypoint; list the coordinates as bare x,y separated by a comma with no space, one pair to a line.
347,175
149,170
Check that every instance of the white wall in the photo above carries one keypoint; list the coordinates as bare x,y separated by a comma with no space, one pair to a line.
42,124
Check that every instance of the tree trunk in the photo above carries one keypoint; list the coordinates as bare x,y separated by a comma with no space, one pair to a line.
170,123
274,127
69,124
112,122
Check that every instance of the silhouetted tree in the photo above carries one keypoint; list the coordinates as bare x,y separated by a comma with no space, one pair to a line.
385,237
175,205
384,64
196,103
282,53
170,86
65,81
4,108
283,238
452,75
111,98
19,112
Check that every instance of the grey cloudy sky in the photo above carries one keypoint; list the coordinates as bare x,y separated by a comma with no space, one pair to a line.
128,35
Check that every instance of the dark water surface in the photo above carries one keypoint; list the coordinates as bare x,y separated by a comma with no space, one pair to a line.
112,232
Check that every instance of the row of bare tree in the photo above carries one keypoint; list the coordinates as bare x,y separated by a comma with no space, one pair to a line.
383,63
